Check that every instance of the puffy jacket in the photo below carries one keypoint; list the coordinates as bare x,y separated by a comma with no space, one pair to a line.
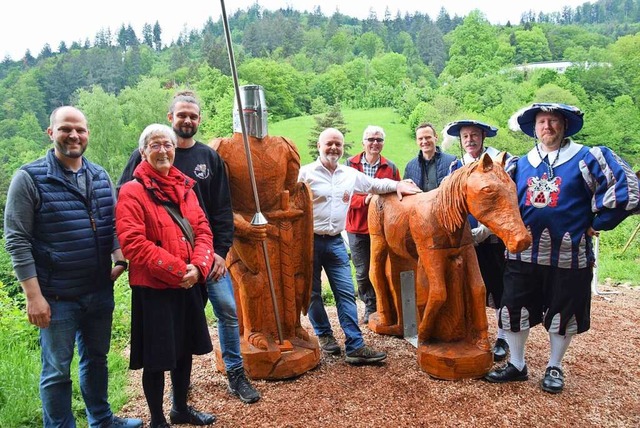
358,210
156,247
73,233
415,168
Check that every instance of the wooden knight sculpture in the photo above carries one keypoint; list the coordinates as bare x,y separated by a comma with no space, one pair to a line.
429,234
273,344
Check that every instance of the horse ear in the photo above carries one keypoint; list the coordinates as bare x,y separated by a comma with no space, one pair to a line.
501,158
485,162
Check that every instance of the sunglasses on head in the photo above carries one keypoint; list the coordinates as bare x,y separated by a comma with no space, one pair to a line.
377,140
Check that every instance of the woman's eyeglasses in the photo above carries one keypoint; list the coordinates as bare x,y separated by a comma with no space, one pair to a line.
155,147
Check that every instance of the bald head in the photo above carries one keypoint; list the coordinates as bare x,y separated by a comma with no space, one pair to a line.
64,111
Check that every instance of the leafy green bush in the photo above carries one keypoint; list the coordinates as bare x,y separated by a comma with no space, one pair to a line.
612,262
20,362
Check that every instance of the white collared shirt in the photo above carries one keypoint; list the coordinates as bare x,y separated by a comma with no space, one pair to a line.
331,193
467,158
566,153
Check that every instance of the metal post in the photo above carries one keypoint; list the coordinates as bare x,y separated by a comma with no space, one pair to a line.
409,309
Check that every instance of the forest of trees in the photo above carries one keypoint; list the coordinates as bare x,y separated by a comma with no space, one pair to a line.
425,68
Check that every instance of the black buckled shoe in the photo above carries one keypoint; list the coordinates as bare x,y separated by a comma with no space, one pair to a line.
500,350
553,380
191,416
508,373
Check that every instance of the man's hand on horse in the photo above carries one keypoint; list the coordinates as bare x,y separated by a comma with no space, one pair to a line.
407,187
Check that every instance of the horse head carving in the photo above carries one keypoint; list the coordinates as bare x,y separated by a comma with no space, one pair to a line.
485,191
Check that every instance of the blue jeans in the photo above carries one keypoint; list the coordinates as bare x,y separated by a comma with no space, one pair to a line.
87,321
224,307
330,253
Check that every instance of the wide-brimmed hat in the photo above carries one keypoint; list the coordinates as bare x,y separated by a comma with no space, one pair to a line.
453,128
525,119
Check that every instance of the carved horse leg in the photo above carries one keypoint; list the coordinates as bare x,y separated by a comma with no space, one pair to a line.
436,293
478,324
378,277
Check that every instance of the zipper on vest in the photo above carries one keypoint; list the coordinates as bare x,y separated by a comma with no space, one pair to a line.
93,222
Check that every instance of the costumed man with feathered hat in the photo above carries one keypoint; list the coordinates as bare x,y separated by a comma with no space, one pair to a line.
567,192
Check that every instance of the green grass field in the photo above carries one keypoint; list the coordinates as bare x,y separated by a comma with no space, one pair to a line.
399,145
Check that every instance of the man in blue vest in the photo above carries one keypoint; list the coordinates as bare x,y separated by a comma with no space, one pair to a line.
431,166
59,231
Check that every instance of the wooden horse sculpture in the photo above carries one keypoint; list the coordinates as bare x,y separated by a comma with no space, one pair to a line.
429,233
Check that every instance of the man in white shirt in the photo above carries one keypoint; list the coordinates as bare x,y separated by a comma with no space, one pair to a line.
332,186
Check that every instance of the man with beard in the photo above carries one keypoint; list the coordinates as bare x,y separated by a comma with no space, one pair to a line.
567,192
332,186
204,165
59,230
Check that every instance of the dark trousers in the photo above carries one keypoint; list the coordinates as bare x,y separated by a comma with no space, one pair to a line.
360,245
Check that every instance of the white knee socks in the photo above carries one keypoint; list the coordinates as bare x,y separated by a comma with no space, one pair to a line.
516,341
559,345
500,331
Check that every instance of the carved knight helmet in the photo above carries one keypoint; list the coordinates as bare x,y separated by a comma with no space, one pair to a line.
254,111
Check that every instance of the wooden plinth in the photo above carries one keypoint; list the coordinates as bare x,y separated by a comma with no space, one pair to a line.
454,360
390,330
276,362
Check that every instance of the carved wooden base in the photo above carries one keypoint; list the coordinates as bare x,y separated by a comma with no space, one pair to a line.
293,359
454,360
378,327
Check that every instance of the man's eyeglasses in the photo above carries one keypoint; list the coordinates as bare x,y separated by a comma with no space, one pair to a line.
156,147
377,140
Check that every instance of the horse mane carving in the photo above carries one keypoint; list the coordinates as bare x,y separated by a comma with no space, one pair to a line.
450,206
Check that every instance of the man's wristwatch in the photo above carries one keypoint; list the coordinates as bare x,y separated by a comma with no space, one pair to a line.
122,263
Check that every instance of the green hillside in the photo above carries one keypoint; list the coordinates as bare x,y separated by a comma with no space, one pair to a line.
400,144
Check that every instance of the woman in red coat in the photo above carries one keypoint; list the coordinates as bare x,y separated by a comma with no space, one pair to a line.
166,260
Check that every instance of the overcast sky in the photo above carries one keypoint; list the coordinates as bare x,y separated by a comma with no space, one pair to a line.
37,22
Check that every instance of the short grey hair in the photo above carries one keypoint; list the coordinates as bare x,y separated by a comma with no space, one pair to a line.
156,129
372,129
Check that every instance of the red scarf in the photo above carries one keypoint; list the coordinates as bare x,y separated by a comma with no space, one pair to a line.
165,188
